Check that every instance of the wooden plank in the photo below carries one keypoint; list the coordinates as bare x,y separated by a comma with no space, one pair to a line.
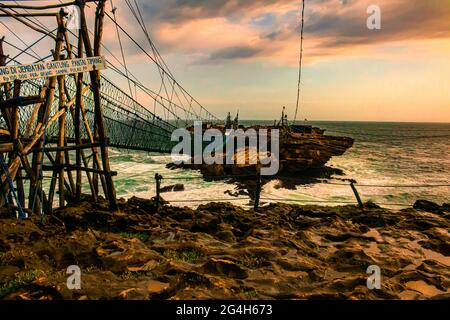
74,168
21,101
70,148
6,147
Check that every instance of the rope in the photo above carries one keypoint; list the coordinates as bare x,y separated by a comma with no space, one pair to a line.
22,51
331,201
139,18
154,49
391,186
300,61
152,94
158,64
23,42
113,10
281,199
323,182
208,200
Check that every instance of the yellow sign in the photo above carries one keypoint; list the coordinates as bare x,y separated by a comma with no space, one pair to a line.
50,69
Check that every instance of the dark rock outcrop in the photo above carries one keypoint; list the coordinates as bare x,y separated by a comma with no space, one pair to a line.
220,251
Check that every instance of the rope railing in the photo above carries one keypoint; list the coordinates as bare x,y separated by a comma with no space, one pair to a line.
252,176
264,196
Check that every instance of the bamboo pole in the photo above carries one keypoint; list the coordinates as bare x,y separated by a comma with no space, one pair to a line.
76,117
31,14
95,80
9,123
12,120
61,135
42,7
12,15
77,124
42,122
36,109
14,138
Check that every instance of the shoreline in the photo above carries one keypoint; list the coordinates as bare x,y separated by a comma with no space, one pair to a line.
220,251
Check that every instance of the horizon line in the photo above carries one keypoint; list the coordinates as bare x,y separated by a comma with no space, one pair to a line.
367,121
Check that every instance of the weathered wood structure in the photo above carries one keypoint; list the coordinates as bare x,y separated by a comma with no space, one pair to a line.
27,153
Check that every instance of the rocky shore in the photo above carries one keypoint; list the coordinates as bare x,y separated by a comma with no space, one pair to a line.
220,251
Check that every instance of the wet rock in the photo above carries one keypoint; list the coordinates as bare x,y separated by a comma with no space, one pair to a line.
351,260
220,251
205,222
227,236
173,188
118,255
346,236
428,206
212,170
225,268
144,290
148,206
7,273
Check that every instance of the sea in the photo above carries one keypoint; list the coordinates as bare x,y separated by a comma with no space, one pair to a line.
393,164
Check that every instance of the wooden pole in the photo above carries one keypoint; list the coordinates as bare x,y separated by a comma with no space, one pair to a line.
11,121
12,15
14,138
257,191
95,80
77,123
61,133
358,198
42,7
42,122
158,179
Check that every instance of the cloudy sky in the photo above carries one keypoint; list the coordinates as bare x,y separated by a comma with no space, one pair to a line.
243,55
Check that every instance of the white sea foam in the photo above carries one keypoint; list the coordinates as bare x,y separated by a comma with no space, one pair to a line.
372,161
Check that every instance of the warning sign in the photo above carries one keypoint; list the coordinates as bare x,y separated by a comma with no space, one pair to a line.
51,69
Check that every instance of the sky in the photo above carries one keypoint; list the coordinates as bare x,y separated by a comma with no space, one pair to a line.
242,55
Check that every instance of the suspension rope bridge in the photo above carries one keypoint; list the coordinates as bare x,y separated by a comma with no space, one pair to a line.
47,118
129,124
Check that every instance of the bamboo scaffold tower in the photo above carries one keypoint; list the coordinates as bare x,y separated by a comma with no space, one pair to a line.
26,151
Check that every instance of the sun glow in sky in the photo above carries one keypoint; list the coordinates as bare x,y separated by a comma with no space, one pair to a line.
243,55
